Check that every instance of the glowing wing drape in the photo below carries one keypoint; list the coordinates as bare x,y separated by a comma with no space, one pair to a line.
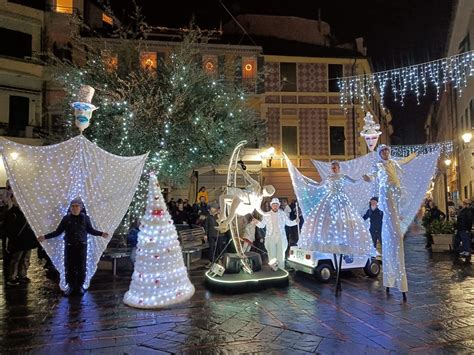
415,180
308,192
45,179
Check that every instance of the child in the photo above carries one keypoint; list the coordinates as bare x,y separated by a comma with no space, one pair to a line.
75,225
202,193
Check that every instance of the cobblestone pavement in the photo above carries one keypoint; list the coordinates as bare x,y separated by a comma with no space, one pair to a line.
304,318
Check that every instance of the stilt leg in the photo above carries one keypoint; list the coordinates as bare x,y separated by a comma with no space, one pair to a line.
338,270
404,295
387,290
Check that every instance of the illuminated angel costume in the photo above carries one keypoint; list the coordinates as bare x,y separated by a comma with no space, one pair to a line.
390,193
331,223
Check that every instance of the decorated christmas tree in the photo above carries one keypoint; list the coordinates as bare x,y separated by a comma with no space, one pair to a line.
160,278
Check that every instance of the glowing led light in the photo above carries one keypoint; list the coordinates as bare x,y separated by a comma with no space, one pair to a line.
160,277
467,137
456,69
14,155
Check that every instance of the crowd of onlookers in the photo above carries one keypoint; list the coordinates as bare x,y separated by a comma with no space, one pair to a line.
458,219
206,214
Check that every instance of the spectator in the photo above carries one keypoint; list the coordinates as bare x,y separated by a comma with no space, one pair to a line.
201,207
20,241
295,213
464,226
202,193
5,204
376,217
76,225
180,216
132,239
215,239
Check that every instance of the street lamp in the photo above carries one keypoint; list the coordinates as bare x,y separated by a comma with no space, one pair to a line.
466,137
268,154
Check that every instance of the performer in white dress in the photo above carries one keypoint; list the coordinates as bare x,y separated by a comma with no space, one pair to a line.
386,172
333,226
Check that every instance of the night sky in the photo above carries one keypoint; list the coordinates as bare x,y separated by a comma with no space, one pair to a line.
397,33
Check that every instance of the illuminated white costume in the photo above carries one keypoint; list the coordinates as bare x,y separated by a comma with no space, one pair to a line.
331,223
387,173
275,236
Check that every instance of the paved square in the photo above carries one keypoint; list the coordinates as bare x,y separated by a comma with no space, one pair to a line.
304,318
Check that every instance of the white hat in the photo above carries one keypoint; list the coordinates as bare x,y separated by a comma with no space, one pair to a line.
84,98
275,200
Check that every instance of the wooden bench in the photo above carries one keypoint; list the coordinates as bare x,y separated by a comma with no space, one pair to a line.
113,254
192,240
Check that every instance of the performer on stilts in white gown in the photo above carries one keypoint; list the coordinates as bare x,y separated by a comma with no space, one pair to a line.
332,225
386,172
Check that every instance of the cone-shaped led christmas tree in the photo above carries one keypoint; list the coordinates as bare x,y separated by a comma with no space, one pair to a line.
160,278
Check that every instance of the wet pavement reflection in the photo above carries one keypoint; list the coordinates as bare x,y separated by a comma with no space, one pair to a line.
304,318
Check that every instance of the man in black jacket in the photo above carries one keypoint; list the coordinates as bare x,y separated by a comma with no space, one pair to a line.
376,218
75,226
464,226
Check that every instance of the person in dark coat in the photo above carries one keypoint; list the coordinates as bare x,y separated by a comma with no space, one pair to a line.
464,226
76,225
376,218
214,237
20,241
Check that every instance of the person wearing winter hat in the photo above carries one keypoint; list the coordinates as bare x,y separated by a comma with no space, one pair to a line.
387,173
275,238
75,225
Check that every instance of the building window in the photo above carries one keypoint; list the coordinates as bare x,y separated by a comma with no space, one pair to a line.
107,19
19,112
110,60
289,140
15,44
288,76
334,73
337,140
148,60
209,64
249,68
64,6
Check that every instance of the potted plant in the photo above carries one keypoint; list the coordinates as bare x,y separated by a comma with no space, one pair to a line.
442,233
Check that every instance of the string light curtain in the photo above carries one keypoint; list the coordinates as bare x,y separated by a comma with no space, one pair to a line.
457,69
45,180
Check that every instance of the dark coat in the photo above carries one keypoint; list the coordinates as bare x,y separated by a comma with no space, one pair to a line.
436,215
209,226
376,218
75,229
464,220
18,231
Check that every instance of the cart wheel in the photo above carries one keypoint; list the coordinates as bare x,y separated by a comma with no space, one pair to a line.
372,268
323,272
